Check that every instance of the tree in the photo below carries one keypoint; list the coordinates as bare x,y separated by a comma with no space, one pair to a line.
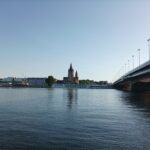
86,82
50,80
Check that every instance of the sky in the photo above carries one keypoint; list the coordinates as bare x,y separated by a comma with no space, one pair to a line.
42,37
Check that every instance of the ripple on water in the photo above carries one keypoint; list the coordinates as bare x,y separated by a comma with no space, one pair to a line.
73,119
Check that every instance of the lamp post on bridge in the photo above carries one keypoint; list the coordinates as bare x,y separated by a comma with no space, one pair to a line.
149,47
128,64
133,61
139,56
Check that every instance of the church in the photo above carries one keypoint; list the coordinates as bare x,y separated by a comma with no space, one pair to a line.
72,78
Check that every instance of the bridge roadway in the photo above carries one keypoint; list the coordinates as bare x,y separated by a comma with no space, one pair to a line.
137,79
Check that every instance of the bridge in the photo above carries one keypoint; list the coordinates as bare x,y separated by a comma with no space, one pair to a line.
137,79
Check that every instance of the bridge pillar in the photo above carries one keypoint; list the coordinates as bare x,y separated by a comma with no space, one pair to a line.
128,86
135,86
141,86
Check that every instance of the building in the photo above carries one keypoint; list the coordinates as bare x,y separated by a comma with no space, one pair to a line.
19,82
37,82
14,82
5,82
72,78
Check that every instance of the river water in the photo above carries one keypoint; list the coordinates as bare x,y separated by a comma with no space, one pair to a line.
73,119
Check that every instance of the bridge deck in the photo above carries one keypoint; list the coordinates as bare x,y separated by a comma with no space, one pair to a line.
138,71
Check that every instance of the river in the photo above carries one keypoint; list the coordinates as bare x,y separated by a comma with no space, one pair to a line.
73,119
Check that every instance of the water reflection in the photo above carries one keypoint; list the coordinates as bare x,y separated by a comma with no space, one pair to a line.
138,100
93,119
72,96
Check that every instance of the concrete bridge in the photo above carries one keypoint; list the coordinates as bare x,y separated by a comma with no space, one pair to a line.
137,79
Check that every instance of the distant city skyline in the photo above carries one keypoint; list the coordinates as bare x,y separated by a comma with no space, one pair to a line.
41,38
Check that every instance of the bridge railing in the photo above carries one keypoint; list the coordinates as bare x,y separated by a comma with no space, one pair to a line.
132,71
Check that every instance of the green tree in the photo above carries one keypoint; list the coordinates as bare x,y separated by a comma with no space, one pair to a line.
86,82
50,81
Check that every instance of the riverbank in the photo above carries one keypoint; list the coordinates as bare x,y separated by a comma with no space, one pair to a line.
75,86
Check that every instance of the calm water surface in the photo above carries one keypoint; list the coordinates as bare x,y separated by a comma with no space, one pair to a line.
73,119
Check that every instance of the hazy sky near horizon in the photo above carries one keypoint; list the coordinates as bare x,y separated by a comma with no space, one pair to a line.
42,37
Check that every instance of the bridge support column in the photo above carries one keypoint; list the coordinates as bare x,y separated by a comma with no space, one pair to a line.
135,86
129,86
141,86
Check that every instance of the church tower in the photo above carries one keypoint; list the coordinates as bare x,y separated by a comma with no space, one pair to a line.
76,78
72,78
71,74
76,74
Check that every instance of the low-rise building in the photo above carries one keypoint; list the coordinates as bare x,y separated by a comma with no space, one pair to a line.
19,82
37,82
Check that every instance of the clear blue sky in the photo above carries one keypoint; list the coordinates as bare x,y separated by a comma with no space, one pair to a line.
41,37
